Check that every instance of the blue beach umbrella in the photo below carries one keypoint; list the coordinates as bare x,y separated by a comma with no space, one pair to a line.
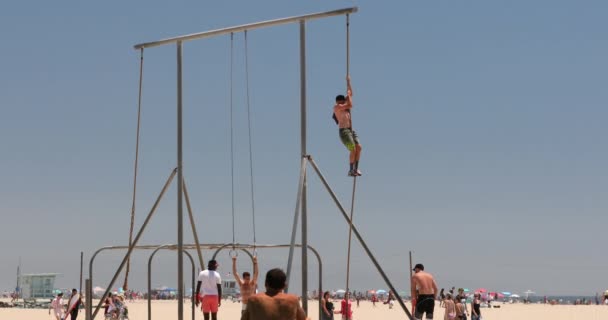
506,293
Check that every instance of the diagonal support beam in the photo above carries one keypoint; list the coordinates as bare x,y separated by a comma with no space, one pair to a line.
358,235
133,244
296,217
194,233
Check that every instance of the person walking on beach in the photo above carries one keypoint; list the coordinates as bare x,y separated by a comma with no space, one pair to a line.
74,304
246,285
476,307
346,308
460,309
211,283
274,304
108,305
424,285
348,136
328,307
57,306
441,297
461,297
450,308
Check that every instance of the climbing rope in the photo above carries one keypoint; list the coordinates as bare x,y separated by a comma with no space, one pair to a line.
232,135
125,285
352,208
250,144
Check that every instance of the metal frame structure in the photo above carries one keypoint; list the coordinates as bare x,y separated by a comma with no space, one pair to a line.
301,203
90,314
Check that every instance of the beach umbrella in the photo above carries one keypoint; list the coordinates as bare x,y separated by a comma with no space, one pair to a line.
506,293
466,290
340,291
514,296
380,291
481,290
371,291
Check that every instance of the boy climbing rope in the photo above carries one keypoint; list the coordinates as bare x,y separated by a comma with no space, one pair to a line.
348,136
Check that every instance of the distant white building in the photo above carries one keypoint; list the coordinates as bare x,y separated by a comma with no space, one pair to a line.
37,285
230,288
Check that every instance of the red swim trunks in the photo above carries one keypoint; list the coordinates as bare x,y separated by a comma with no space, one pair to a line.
209,304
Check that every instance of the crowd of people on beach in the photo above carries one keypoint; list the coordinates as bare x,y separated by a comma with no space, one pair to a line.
274,303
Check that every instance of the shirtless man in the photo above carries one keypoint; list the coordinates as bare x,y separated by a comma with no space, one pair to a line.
246,285
424,284
274,304
347,134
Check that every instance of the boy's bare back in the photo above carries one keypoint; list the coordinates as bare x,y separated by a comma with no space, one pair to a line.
281,306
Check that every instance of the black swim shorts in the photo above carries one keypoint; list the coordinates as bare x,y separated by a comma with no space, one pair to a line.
425,304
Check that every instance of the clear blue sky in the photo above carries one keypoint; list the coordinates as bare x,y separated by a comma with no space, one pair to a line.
482,123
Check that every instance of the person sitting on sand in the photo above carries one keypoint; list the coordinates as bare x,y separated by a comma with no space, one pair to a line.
274,304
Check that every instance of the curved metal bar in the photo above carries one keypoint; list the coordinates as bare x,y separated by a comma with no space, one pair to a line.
242,246
217,246
167,246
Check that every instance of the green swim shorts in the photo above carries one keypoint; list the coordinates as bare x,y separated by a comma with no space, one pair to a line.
349,138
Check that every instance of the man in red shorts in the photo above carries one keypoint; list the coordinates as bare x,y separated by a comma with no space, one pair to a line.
211,283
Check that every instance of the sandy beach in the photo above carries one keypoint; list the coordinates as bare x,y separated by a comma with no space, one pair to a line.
167,309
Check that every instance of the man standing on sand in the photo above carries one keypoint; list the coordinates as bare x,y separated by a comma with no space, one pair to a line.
74,304
246,285
348,136
424,284
274,304
211,283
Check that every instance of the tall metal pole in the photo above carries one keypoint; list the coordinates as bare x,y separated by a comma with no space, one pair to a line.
81,262
304,153
180,191
88,299
296,217
412,289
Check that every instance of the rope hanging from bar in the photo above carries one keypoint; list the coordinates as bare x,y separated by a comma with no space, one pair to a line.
232,137
125,285
352,208
250,143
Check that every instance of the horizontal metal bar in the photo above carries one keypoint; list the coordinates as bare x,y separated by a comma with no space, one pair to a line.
244,27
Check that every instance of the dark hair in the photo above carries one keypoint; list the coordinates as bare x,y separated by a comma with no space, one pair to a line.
325,294
275,279
246,274
74,290
212,265
340,98
60,294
